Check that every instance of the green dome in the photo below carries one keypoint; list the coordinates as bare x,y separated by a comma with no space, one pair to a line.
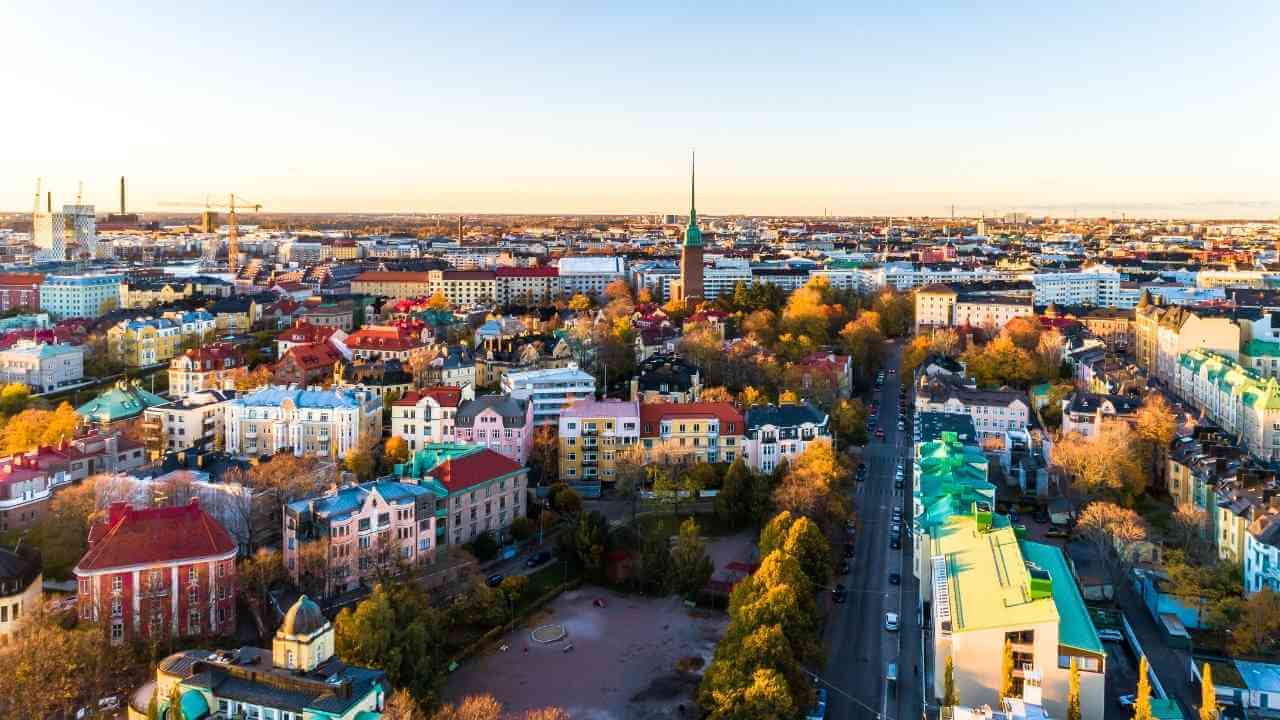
194,706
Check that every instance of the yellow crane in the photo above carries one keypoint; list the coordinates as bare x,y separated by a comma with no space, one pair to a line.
233,233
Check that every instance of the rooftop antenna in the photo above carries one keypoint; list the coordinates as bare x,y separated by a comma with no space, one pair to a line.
35,204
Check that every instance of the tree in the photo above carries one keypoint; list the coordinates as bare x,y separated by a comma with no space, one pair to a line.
949,697
653,570
402,706
806,543
864,341
566,501
1208,695
1113,531
52,667
62,533
1073,693
849,421
716,394
396,450
767,698
808,486
733,502
773,536
691,566
14,398
473,707
750,397
484,547
589,542
1102,466
247,380
514,587
580,303
629,475
396,630
1142,700
522,528
256,575
438,301
1257,624
1155,427
361,464
544,456
1006,670
761,326
897,312
32,428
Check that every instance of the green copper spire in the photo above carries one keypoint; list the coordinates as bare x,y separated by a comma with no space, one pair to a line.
692,235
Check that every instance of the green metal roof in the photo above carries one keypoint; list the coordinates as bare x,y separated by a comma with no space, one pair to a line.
1075,627
1261,348
123,401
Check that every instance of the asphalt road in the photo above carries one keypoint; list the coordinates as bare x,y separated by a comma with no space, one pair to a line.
859,649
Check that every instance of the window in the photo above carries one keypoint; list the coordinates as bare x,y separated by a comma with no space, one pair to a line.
117,584
117,631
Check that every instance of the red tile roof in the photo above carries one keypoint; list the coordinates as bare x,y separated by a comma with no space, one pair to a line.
312,356
444,395
391,276
382,337
469,470
305,332
152,536
467,275
540,271
653,414
212,356
23,279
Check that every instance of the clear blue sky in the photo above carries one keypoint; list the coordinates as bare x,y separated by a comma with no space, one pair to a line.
592,107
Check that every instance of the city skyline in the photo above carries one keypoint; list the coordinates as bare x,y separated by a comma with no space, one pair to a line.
577,110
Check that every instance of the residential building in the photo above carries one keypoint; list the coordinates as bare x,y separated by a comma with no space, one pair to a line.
143,342
42,367
464,288
426,415
21,590
158,574
1162,334
195,420
526,285
393,284
666,378
985,585
305,333
382,342
305,365
27,482
236,315
935,306
479,490
502,423
1233,398
20,290
299,678
775,434
592,434
340,315
679,433
550,390
590,274
124,401
1098,285
71,296
995,413
318,423
367,529
145,293
210,367
1084,412
1262,554
990,311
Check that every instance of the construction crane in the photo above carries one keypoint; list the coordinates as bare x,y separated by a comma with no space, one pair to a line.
233,232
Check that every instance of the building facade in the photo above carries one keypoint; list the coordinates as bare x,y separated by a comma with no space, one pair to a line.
20,290
69,296
1233,398
502,423
691,432
21,590
551,390
317,423
426,415
479,490
592,435
212,367
195,420
781,433
156,574
42,367
393,284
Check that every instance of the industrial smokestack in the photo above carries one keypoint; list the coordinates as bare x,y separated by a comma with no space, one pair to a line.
48,202
122,195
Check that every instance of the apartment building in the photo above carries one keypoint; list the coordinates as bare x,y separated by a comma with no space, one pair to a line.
935,307
367,529
194,420
1099,285
1163,333
68,296
145,293
211,367
21,588
42,367
990,311
592,434
383,342
691,432
1262,554
479,490
392,284
526,285
20,290
1233,398
551,390
666,378
305,333
426,415
590,274
157,574
502,423
775,434
995,412
319,423
464,288
985,585
147,341
1084,412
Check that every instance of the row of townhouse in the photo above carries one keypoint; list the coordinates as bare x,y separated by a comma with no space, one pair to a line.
1232,397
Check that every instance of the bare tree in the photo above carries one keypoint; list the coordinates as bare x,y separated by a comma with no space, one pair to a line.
1114,532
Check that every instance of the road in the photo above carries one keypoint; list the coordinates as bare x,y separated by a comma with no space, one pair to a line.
859,649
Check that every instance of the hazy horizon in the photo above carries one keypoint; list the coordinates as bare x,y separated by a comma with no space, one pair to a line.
1159,111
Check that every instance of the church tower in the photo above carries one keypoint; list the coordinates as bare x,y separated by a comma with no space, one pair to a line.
690,288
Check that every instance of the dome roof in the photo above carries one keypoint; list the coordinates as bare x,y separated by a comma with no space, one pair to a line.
303,618
194,706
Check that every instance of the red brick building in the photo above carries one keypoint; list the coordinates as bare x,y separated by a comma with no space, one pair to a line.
20,290
157,573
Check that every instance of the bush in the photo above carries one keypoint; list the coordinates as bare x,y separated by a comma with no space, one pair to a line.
484,547
523,528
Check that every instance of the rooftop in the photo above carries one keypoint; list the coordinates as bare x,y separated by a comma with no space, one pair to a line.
131,537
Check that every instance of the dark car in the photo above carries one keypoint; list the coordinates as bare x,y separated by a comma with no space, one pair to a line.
895,543
844,567
839,594
897,484
537,559
494,580
848,550
880,434
895,579
1040,516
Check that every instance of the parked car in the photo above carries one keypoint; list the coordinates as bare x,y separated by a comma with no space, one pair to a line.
895,543
891,621
895,579
839,594
1058,531
537,559
897,483
1127,700
1040,516
1109,634
844,567
880,434
494,580
819,709
848,550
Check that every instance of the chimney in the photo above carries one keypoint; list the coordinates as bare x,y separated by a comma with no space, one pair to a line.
122,195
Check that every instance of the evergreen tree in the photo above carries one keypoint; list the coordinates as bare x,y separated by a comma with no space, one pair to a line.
1006,670
1073,692
949,697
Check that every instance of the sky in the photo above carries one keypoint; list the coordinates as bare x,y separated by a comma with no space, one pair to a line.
1167,109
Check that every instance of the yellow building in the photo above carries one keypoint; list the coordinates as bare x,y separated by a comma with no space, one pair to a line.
148,341
593,434
143,295
692,432
393,284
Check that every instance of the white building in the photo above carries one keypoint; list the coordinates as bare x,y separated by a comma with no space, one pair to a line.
995,413
591,274
777,433
53,233
722,275
1098,286
320,423
195,420
1262,554
42,367
68,296
550,390
426,415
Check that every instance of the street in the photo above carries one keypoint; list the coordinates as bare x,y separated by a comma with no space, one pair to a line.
859,649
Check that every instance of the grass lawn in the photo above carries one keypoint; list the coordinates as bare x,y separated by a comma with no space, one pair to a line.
709,524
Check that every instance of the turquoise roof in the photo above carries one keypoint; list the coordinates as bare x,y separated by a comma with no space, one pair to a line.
1262,348
692,235
1075,627
123,401
430,457
951,476
194,706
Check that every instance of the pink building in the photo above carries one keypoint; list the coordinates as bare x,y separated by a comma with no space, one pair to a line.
361,529
499,422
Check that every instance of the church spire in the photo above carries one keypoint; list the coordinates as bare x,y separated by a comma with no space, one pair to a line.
692,235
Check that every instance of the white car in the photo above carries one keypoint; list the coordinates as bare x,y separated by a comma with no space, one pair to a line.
891,621
1113,635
